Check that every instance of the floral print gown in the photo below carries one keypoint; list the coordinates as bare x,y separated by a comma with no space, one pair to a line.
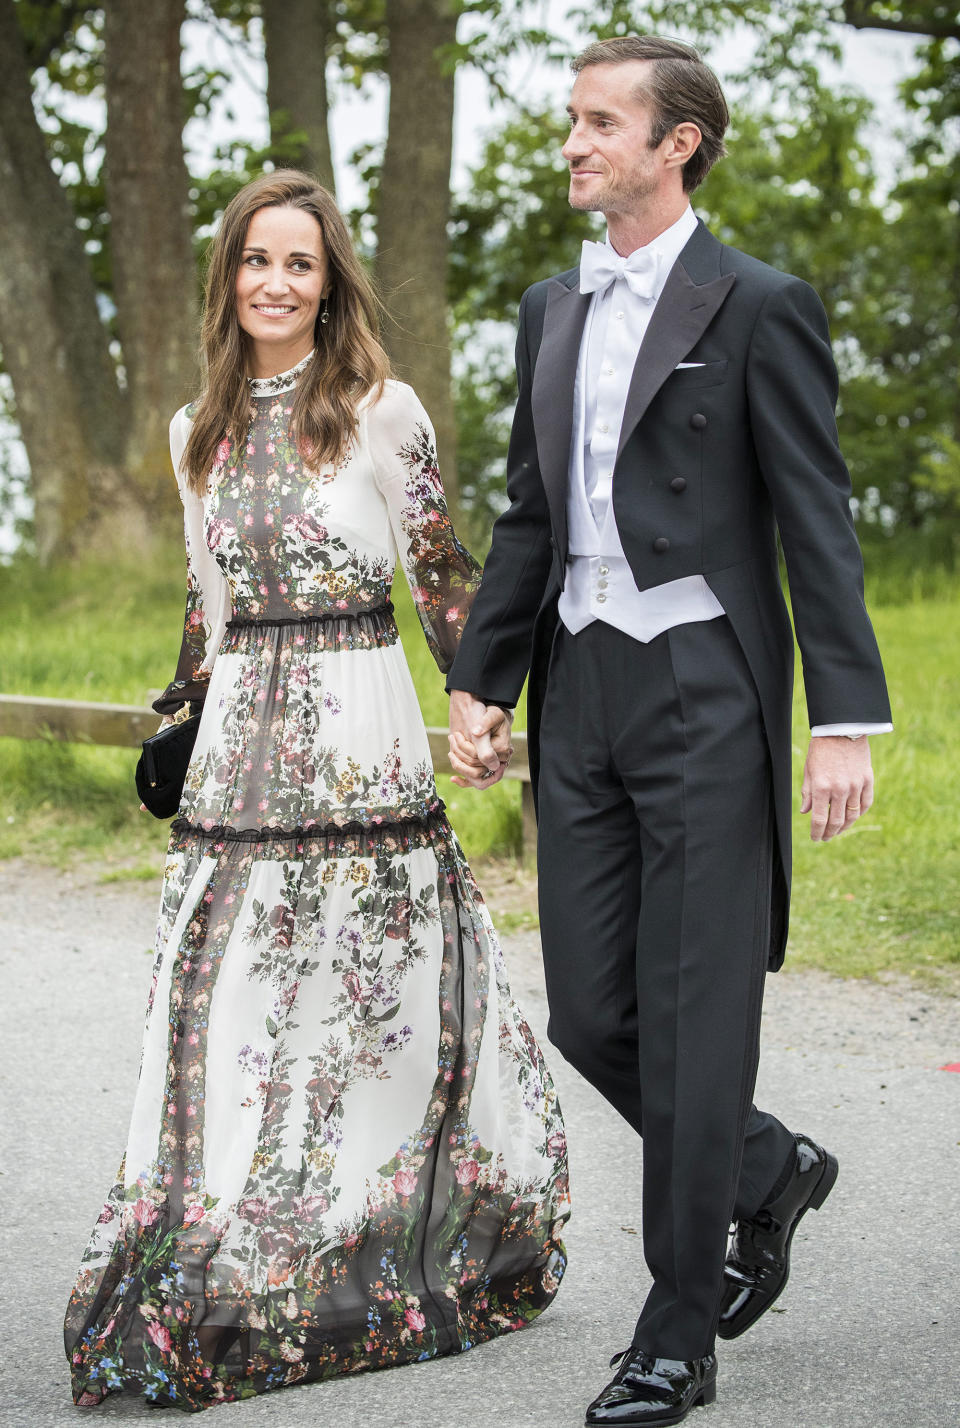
345,1150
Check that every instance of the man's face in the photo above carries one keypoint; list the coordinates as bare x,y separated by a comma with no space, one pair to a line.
612,167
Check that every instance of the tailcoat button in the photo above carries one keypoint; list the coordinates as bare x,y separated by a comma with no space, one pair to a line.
698,421
661,545
679,483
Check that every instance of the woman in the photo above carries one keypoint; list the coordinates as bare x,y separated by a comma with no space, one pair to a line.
345,1150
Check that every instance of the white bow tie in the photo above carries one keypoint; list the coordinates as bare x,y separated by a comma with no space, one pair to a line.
600,266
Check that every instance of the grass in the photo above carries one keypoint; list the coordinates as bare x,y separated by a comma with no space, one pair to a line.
113,635
908,565
885,898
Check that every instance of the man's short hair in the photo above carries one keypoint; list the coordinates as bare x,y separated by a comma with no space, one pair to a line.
680,89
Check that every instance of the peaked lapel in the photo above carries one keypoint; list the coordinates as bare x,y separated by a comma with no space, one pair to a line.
692,295
551,396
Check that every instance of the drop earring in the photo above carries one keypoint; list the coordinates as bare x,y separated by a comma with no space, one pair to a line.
325,315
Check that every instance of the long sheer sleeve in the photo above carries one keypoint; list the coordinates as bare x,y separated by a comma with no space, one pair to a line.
208,595
443,575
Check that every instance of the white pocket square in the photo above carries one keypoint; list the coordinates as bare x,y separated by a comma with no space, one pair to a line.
680,365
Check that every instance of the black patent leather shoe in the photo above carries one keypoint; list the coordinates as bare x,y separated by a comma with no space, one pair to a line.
648,1391
758,1263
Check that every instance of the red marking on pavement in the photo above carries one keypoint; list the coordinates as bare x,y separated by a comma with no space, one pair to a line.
951,1066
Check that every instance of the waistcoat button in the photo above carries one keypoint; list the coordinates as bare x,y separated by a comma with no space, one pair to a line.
661,545
679,483
698,421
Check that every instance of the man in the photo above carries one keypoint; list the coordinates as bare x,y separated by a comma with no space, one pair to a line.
676,409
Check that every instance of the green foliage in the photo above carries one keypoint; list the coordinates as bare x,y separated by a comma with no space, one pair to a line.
498,32
65,46
484,396
50,28
909,564
511,227
887,265
940,473
798,189
801,193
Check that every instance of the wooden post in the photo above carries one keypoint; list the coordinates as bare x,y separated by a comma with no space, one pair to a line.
528,835
76,721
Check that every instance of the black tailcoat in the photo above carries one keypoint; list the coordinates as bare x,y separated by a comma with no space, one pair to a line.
713,462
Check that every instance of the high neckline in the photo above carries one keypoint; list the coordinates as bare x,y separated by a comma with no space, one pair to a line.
282,382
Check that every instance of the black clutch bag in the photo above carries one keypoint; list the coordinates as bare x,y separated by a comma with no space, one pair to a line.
162,766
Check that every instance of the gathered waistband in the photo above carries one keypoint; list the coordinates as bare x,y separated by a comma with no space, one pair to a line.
239,622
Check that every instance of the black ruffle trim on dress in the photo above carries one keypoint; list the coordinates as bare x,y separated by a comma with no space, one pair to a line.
428,829
332,630
327,617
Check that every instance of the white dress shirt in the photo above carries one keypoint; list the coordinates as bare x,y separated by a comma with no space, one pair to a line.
599,582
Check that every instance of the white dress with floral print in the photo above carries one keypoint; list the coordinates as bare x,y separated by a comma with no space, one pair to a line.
345,1149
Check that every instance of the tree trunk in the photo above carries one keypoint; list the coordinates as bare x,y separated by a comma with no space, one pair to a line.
413,209
295,40
55,349
154,275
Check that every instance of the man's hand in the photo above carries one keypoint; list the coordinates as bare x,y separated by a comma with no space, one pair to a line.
837,784
479,739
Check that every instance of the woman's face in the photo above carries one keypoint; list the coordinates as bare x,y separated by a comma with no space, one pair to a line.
282,279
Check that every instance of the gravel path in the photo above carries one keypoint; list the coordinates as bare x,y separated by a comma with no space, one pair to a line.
866,1336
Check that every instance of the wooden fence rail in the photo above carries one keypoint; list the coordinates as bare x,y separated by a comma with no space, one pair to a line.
125,726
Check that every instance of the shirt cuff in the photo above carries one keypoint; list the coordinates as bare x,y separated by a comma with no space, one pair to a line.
497,703
849,731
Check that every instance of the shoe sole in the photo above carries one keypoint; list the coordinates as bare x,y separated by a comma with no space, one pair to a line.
820,1192
707,1395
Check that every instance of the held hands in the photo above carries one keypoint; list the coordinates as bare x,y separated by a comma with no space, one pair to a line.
837,784
479,739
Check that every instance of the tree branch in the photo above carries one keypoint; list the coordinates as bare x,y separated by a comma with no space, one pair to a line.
860,16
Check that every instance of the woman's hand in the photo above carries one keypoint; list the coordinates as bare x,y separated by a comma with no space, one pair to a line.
480,747
470,772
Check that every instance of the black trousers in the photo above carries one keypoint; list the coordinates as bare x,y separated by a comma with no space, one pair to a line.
654,849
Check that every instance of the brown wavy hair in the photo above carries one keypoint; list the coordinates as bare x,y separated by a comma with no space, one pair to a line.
348,359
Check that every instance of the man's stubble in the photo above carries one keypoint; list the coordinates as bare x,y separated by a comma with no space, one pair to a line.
625,198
